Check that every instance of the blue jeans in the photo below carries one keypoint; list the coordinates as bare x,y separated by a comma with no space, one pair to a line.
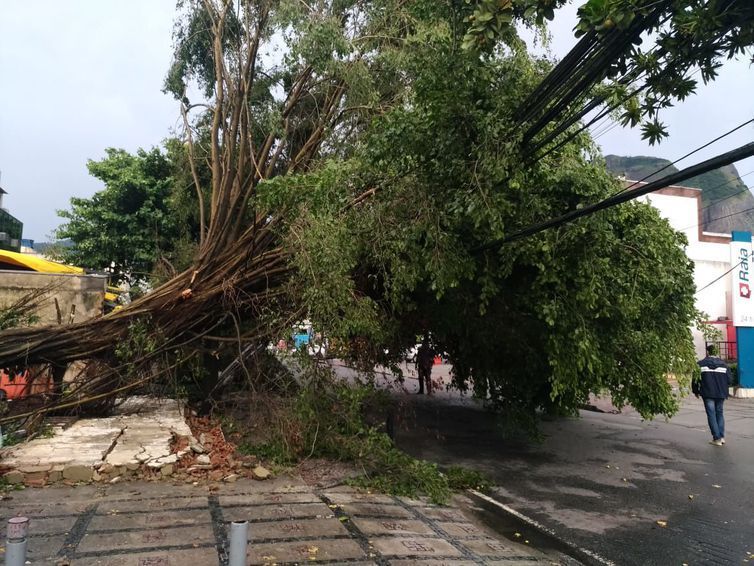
715,419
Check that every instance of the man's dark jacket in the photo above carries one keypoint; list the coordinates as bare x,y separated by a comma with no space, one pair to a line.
714,381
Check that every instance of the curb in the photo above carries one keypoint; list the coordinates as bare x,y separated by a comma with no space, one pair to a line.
547,535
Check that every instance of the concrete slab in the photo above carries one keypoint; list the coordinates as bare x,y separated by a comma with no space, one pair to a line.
279,484
40,510
198,556
376,510
296,529
304,551
420,547
147,524
43,549
93,542
277,512
141,438
269,499
491,547
462,530
359,497
45,526
520,561
426,562
393,527
114,507
442,514
150,520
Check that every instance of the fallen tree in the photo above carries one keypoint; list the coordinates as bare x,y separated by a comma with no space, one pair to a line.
361,156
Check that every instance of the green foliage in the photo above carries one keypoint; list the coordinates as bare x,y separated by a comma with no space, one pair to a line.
686,36
604,304
710,332
10,437
11,317
420,165
330,419
734,379
140,341
193,52
6,486
137,219
460,478
682,37
133,352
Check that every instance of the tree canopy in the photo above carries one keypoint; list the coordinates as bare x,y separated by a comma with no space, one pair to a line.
536,324
128,225
352,161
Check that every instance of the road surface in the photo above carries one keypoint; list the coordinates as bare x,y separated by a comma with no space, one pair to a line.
636,492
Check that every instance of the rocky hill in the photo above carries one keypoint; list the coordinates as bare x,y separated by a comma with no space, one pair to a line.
727,201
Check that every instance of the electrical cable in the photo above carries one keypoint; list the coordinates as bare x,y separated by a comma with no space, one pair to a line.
745,190
717,201
610,129
750,209
709,143
692,171
716,279
583,66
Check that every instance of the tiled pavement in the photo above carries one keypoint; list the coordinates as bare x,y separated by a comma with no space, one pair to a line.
159,523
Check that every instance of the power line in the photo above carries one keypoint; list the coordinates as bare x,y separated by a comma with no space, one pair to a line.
745,190
709,143
720,218
716,279
583,67
610,129
714,202
698,169
626,80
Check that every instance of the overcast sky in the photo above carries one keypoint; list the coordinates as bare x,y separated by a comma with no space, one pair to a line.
81,76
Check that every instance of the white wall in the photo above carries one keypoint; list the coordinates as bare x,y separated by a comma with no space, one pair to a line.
681,212
711,259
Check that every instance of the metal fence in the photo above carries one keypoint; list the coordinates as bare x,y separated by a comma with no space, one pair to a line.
725,350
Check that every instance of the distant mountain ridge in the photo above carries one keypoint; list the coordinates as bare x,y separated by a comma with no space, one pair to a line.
728,203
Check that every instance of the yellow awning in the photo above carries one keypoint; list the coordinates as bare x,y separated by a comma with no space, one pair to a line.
36,263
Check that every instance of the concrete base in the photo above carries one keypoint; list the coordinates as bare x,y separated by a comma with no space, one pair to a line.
140,434
742,392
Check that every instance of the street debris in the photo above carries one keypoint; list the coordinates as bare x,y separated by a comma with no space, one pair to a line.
156,441
260,473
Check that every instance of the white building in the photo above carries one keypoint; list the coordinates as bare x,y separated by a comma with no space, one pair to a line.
710,252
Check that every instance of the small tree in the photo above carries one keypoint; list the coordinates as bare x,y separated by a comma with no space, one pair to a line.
128,226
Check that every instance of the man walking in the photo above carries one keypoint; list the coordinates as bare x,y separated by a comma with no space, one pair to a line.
713,389
425,359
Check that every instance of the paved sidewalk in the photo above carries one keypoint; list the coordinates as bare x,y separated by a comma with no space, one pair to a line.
158,523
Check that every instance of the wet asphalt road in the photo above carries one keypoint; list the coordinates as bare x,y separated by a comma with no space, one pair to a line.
604,480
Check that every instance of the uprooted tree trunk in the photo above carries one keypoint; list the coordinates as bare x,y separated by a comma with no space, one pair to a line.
240,266
188,308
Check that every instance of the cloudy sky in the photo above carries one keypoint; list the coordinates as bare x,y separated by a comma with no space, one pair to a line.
81,76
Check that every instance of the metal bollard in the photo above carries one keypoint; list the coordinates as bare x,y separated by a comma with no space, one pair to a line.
239,538
15,547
